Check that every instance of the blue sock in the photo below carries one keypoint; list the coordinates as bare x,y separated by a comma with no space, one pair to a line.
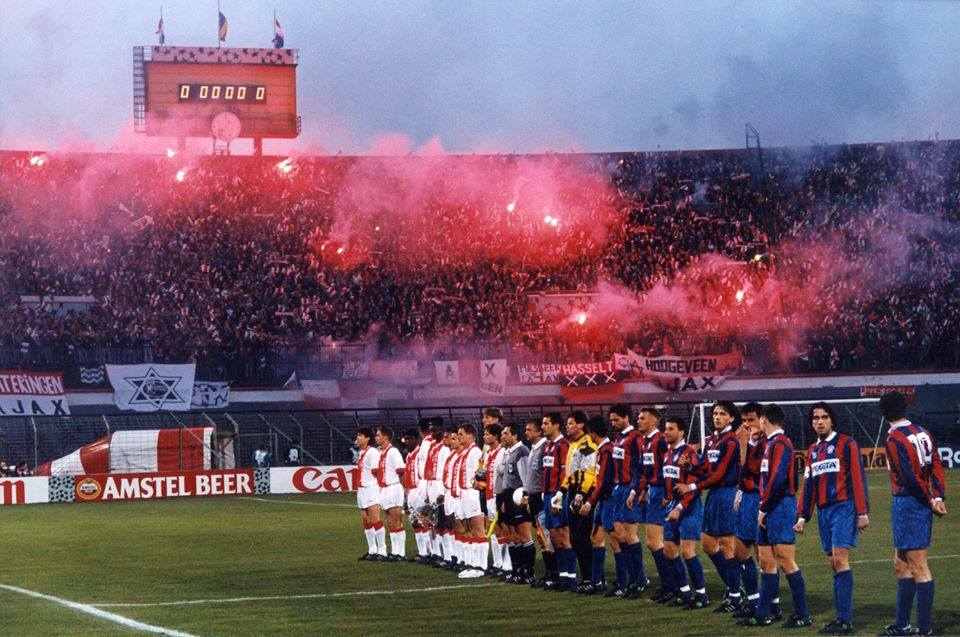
843,594
628,562
662,570
906,589
696,573
571,564
720,564
679,577
798,589
750,576
636,551
924,606
599,557
769,590
733,578
620,558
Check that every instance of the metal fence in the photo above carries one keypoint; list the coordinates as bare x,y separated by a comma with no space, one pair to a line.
326,437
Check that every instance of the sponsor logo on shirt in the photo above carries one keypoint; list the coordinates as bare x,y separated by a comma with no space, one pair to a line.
671,471
548,461
713,455
618,453
647,458
830,465
765,466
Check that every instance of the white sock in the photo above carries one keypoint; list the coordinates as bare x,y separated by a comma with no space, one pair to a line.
381,541
398,542
497,555
484,549
435,543
371,540
505,557
421,543
447,546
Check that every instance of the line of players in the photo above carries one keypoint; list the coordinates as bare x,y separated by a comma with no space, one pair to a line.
593,487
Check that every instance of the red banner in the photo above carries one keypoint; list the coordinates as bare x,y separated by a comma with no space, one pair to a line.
32,394
172,484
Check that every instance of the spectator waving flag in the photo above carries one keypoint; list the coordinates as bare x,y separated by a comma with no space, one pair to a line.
277,33
222,33
161,37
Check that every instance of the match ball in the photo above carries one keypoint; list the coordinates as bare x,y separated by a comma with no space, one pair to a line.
518,497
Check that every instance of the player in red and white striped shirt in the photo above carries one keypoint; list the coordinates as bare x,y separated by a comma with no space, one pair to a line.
368,496
474,539
389,470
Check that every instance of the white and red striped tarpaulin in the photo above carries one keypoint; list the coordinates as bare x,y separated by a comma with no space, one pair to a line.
142,451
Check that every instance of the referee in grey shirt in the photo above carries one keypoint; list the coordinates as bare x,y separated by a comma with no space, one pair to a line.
511,471
533,488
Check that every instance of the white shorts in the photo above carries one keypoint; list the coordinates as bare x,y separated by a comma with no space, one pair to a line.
391,496
434,491
421,491
414,499
368,497
470,504
451,506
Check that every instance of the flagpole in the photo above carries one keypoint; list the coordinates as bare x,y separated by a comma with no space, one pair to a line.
218,23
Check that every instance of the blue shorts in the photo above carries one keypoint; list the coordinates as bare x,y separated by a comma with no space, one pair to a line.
778,524
605,514
656,513
626,515
912,524
688,527
747,517
719,517
553,520
838,526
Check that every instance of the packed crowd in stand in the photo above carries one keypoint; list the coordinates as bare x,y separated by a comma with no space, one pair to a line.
573,485
232,258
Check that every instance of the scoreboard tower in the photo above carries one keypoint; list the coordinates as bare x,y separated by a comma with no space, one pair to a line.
220,93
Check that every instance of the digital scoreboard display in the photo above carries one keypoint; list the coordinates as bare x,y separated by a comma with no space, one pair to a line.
179,91
224,92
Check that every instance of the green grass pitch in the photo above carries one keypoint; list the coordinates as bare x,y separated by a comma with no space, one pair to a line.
300,551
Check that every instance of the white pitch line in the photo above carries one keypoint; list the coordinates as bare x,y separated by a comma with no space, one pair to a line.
233,600
309,504
102,614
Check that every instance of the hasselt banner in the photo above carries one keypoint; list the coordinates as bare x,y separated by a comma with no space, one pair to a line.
32,394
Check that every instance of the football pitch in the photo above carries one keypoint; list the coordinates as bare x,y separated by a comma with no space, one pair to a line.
287,565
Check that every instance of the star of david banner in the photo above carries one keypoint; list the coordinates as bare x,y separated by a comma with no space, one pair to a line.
152,387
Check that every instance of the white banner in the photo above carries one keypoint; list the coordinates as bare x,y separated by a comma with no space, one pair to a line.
493,376
210,395
448,372
152,387
24,490
313,479
32,394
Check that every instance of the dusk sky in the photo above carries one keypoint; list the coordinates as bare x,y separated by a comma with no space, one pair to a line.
503,76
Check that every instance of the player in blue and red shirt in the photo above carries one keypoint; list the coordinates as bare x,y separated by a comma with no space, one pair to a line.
919,487
778,515
719,471
746,505
627,456
554,513
834,479
684,521
600,502
650,492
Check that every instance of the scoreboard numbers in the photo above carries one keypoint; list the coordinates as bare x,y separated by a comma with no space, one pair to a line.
222,93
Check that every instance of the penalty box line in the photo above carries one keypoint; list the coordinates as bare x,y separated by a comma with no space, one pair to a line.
96,612
266,598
